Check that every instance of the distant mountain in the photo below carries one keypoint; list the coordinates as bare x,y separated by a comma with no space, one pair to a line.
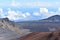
42,36
48,24
55,18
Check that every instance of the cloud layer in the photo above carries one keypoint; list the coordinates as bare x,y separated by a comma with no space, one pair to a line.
19,15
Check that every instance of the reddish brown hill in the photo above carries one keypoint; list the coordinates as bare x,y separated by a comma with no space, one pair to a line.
42,36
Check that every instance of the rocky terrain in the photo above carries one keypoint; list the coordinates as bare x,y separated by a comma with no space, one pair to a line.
55,35
8,30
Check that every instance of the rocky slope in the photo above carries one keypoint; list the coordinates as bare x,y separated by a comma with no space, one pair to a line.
8,30
42,36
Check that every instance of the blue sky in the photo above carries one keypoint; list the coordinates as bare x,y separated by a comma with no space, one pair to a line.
29,9
29,3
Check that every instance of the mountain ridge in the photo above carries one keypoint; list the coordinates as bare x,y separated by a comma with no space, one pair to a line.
55,18
39,25
35,26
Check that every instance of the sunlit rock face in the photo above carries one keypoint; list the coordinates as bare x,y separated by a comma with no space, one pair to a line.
8,31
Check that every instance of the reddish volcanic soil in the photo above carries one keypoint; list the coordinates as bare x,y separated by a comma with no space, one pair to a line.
42,36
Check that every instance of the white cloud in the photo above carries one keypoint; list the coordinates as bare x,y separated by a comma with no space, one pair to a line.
2,14
45,13
43,10
1,10
24,15
36,14
15,15
12,15
27,14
